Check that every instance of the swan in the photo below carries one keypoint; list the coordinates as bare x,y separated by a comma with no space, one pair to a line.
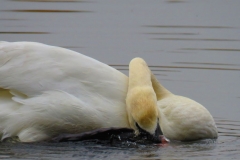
182,118
152,105
47,90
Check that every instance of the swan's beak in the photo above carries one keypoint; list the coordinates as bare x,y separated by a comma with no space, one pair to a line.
157,137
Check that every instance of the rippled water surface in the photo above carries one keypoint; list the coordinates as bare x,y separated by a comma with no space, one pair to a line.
192,46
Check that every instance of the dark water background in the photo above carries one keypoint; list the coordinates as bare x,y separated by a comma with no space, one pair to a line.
193,46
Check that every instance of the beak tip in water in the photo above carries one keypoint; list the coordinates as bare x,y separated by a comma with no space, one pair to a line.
164,140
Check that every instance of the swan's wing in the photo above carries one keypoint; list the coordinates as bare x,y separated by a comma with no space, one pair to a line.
29,72
30,68
47,115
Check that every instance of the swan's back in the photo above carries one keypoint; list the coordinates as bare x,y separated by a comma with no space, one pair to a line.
32,68
45,88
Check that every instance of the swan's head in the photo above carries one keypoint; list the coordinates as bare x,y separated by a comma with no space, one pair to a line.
143,113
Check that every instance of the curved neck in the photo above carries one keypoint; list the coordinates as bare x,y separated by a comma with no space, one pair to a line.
160,91
139,74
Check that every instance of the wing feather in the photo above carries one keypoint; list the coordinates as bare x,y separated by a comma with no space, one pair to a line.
49,90
32,68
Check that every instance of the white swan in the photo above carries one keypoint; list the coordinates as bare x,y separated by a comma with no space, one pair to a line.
47,90
180,118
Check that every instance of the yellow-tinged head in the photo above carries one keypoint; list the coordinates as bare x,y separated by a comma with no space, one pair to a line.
143,112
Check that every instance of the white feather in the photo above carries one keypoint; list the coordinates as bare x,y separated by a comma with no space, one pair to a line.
51,90
184,119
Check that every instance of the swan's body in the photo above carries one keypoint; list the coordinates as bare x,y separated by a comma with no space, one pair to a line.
181,118
46,90
184,119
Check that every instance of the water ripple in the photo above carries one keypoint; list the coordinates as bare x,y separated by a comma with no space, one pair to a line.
24,32
153,68
228,127
204,63
49,1
175,1
9,19
171,33
183,26
194,39
177,67
46,11
204,149
213,49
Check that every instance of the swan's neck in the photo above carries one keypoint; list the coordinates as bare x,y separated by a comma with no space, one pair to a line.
141,99
161,92
139,75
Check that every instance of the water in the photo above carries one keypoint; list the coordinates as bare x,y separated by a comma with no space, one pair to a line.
191,46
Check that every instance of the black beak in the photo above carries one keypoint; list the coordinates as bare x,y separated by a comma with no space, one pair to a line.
156,137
